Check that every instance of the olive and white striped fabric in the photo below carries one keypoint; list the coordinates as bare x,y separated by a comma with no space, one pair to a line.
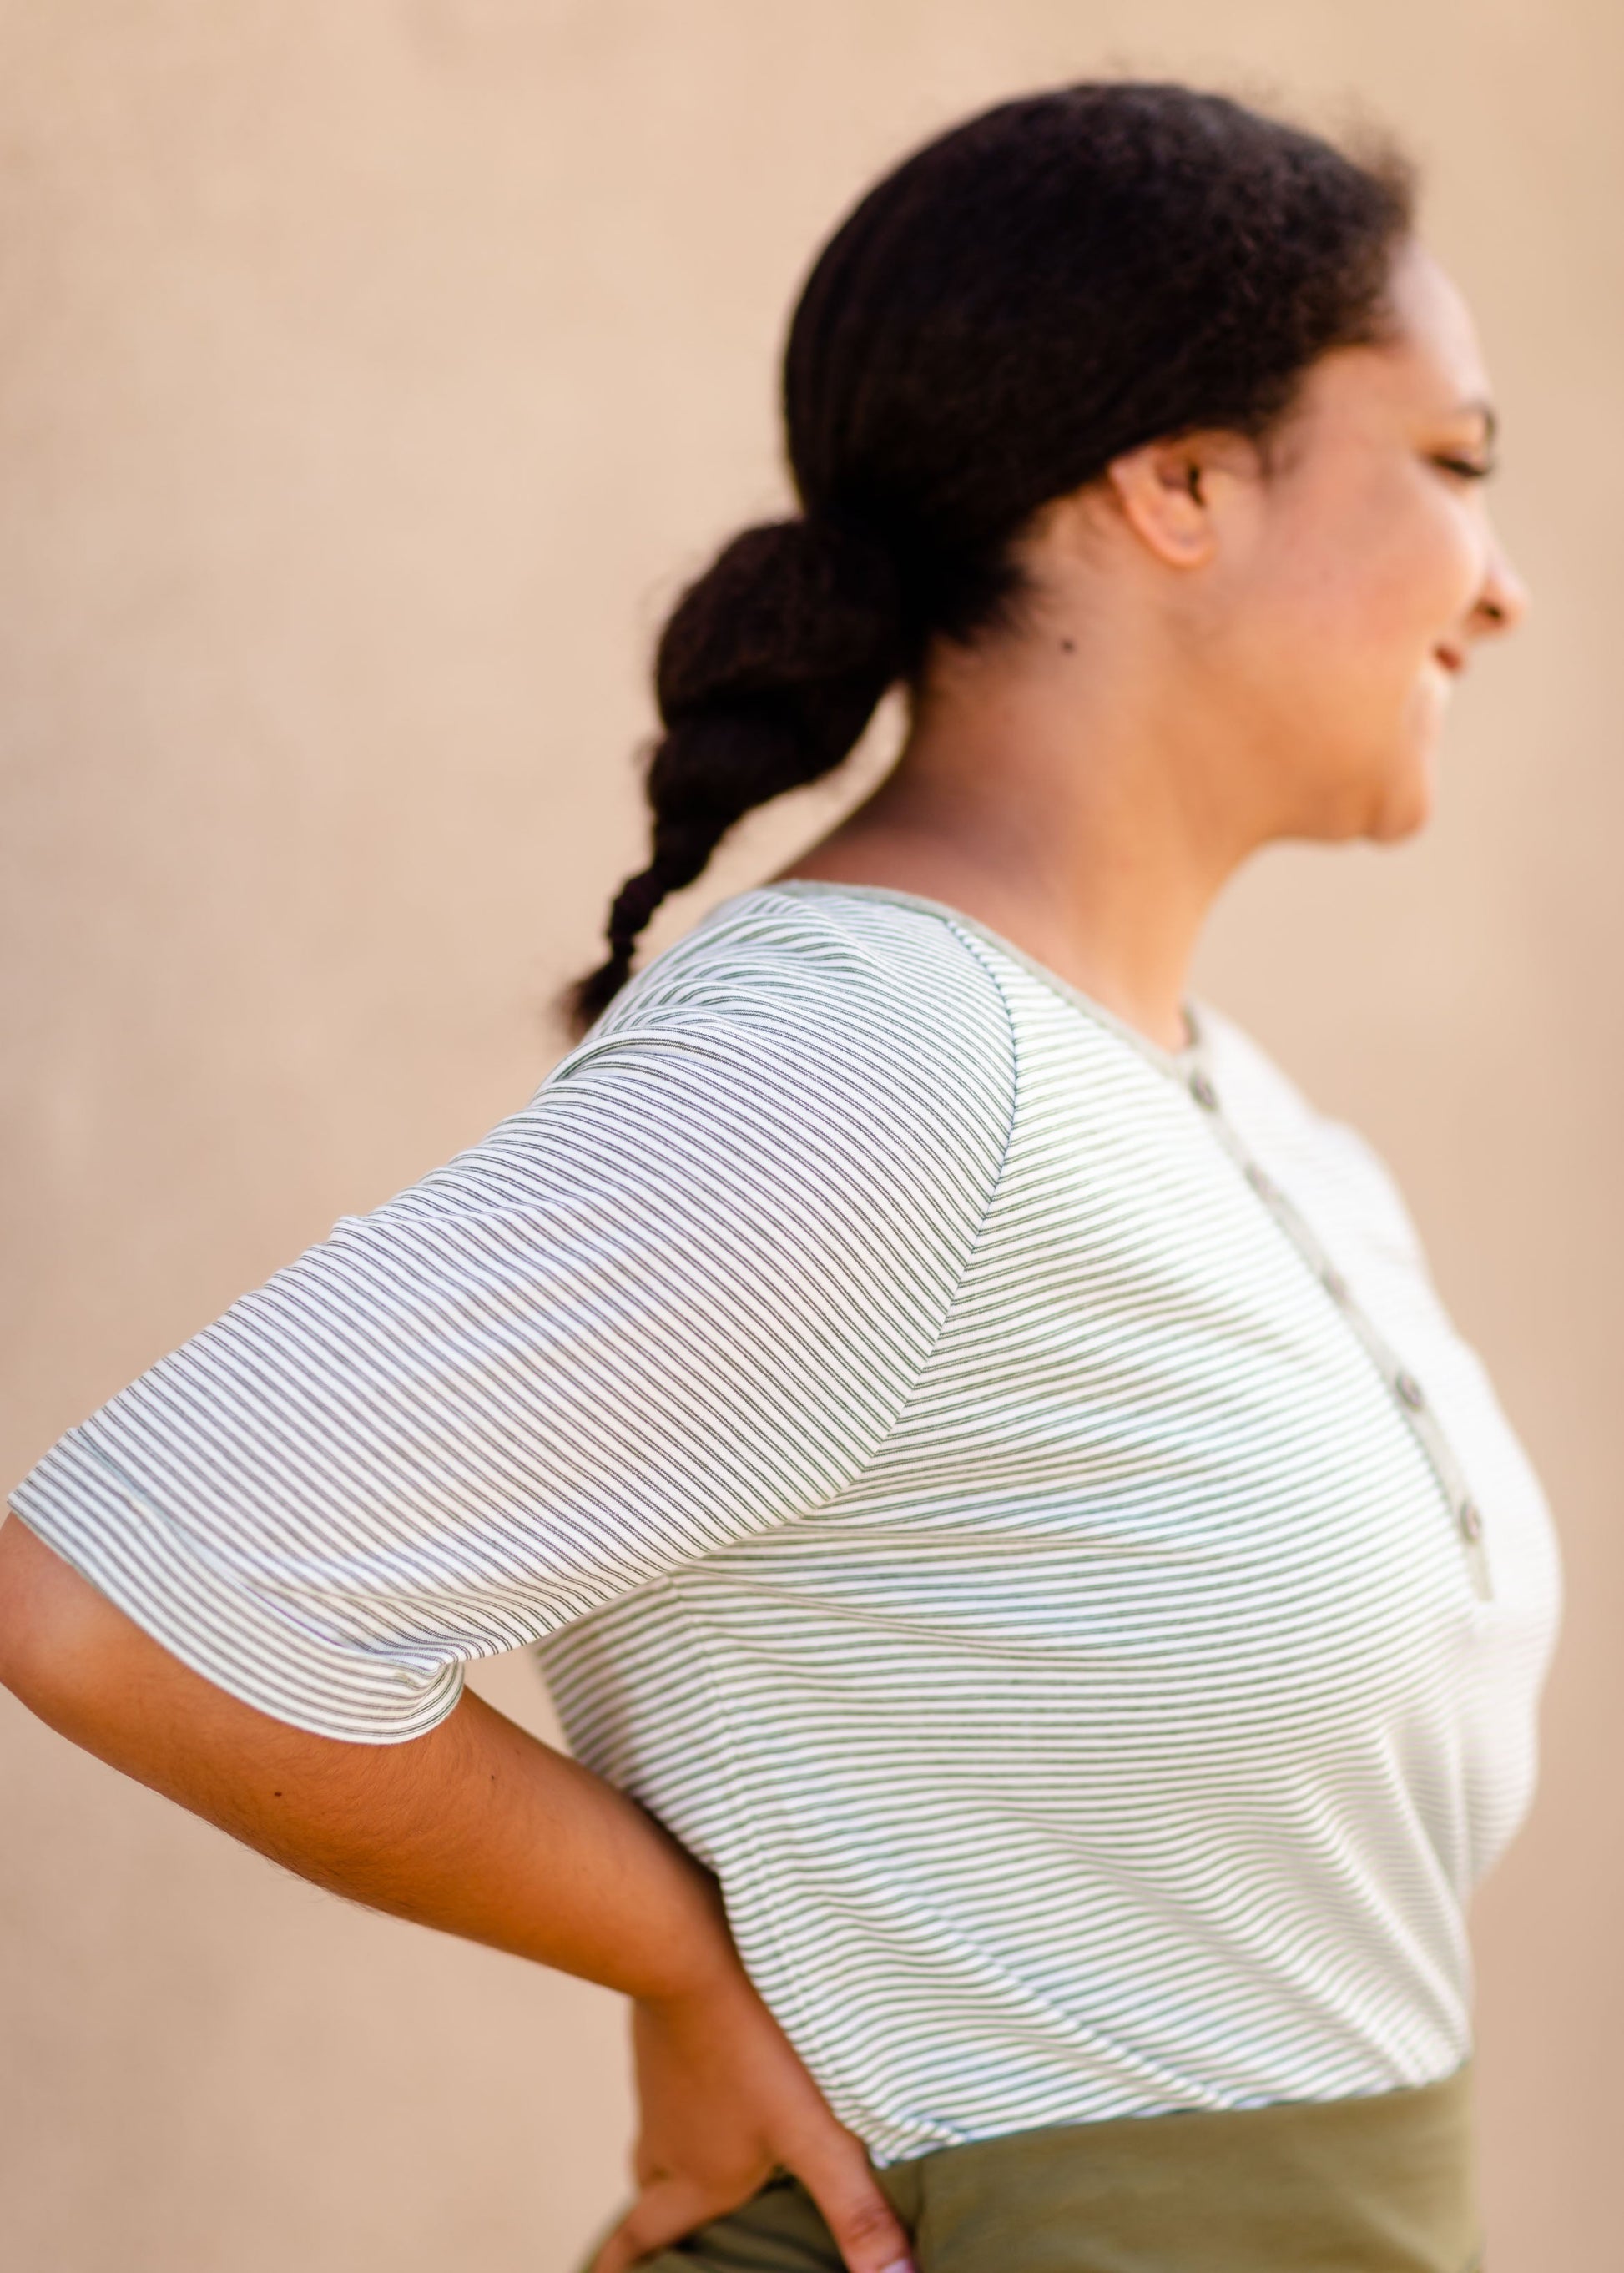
1007,1495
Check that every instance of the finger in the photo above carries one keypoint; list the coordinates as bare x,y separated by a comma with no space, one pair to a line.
867,2230
663,2211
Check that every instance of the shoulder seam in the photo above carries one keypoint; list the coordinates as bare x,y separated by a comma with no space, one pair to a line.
995,1188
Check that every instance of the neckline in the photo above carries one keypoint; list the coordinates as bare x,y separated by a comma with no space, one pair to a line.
1178,1065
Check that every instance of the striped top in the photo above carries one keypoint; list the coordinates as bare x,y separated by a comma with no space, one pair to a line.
1007,1495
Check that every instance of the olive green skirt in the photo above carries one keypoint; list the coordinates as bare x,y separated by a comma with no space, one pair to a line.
1380,2184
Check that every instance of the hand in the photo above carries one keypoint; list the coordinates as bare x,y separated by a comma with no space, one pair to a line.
725,2102
478,1828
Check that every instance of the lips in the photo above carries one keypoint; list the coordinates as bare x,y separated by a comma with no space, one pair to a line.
1452,659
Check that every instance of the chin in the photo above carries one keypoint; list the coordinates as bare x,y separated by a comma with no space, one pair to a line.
1399,788
1375,788
1406,805
1400,817
1385,813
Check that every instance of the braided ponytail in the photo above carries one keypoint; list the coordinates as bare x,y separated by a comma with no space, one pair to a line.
1047,287
769,669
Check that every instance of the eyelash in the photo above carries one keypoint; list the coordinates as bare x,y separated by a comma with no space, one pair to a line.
1467,469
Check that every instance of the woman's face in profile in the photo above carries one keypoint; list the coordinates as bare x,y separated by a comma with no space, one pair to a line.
1365,570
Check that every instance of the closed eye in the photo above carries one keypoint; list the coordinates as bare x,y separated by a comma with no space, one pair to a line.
1469,469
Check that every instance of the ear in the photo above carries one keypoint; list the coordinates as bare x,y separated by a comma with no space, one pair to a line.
1173,493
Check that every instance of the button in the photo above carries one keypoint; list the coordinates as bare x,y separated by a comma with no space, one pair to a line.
1471,1520
1409,1391
1336,1286
1203,1092
1261,1183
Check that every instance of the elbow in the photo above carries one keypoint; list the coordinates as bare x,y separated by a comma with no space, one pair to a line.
96,1677
17,1587
57,1633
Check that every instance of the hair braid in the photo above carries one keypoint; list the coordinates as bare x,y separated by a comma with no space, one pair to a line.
768,671
1048,286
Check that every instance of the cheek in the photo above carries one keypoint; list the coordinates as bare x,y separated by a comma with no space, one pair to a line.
1393,576
1364,593
1343,695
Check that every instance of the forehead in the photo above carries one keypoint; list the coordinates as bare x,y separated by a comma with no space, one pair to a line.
1436,334
1430,367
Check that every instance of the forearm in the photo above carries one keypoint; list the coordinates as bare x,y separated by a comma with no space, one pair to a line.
478,1828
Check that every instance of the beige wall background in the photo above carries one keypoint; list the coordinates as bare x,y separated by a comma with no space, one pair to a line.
370,376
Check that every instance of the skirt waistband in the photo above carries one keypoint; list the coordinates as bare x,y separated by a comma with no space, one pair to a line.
1378,2185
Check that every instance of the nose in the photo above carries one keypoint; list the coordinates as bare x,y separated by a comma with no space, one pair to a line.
1503,600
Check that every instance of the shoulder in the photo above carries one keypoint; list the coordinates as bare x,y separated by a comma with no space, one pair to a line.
816,1060
861,956
835,991
848,1054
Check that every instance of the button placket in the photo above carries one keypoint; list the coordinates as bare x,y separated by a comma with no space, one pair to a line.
1407,1392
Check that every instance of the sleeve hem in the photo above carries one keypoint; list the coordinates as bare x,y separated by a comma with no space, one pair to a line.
85,1511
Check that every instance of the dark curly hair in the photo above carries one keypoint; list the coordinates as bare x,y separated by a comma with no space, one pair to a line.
1054,282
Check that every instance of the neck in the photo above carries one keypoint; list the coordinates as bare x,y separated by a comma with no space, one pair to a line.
1061,814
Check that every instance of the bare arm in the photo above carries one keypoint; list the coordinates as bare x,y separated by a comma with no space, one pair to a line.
479,1829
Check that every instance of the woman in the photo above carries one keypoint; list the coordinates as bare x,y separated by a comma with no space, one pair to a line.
1048,1612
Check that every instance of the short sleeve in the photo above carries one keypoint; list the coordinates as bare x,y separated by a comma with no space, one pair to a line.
678,1300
